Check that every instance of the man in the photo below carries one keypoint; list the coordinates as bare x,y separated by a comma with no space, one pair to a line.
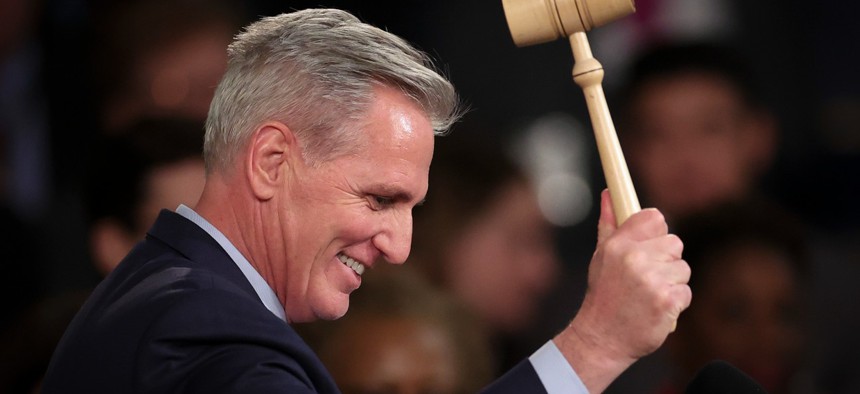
318,146
152,164
699,131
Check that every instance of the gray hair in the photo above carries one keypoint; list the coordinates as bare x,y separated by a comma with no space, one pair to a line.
315,70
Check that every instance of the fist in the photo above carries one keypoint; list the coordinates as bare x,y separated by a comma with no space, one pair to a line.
637,284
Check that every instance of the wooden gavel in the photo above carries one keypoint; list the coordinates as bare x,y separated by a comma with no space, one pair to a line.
537,21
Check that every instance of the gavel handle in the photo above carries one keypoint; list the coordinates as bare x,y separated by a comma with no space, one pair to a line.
588,74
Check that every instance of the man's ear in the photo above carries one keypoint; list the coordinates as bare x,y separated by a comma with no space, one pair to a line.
269,157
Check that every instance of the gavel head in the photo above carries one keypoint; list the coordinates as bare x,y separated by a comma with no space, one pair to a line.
537,21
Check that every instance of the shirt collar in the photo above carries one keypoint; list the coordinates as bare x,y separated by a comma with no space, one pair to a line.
266,294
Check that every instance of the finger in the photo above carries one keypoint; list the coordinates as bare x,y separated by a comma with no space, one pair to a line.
646,224
606,225
682,272
682,296
663,248
676,272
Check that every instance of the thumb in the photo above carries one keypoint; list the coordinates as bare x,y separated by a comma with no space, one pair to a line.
606,225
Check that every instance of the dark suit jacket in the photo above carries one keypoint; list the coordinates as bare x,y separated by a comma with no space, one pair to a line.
177,315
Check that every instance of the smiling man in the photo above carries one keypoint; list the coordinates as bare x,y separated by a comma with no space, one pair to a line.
312,230
318,146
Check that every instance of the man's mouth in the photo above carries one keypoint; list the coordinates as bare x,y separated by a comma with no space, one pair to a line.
350,262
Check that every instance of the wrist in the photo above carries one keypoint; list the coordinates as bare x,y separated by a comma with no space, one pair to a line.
594,359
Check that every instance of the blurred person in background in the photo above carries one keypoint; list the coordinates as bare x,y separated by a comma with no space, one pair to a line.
415,339
750,267
161,57
25,155
697,133
31,105
695,129
145,58
148,166
154,164
480,235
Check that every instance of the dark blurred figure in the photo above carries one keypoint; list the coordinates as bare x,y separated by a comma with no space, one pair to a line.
20,272
146,58
26,180
26,347
154,164
697,133
413,339
20,284
481,236
25,159
695,128
751,282
161,57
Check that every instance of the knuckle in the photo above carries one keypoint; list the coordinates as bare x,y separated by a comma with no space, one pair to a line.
672,245
675,242
651,224
613,247
686,298
654,215
634,258
685,270
664,301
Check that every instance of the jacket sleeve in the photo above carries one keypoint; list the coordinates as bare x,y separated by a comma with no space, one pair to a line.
521,379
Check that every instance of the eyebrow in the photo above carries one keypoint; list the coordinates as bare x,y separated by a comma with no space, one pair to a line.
395,193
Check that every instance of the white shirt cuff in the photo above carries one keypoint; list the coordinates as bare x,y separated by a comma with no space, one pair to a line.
556,374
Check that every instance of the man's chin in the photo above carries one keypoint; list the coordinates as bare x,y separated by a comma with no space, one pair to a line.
331,316
327,311
332,311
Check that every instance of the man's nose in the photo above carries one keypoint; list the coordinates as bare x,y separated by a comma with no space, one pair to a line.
395,238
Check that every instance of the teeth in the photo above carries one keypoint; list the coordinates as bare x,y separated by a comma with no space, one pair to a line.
351,263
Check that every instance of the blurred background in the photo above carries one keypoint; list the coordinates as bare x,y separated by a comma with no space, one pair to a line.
77,77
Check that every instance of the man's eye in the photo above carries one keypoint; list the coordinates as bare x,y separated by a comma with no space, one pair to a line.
380,202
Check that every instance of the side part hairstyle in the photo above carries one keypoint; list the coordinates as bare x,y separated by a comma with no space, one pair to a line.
315,71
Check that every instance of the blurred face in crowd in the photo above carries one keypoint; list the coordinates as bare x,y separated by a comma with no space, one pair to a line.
695,143
166,187
339,217
395,355
748,312
504,262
